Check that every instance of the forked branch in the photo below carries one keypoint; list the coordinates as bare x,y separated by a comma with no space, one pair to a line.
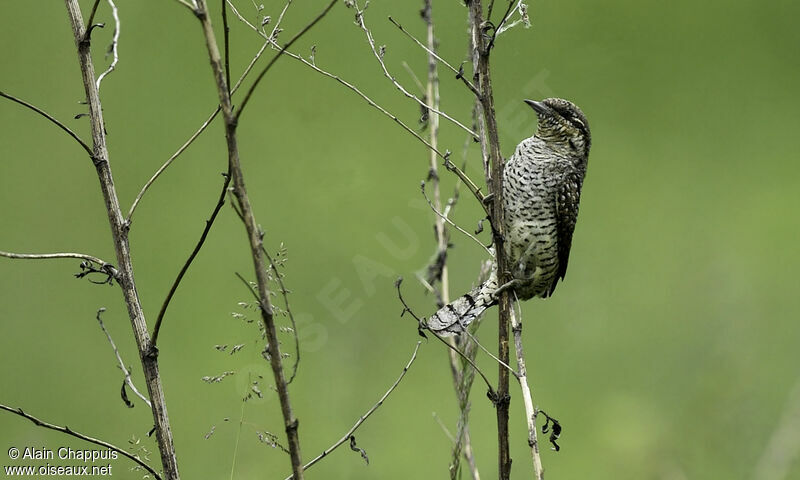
364,417
41,423
254,233
119,234
49,117
493,164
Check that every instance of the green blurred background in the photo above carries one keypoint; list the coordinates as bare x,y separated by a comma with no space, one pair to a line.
670,352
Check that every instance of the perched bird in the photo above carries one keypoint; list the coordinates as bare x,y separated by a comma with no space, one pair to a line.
541,191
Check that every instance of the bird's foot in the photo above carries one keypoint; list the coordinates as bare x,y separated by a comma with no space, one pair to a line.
506,286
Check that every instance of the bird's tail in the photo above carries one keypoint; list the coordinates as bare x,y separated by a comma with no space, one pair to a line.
454,317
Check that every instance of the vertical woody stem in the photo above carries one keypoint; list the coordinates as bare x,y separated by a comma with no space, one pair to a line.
491,147
119,232
255,240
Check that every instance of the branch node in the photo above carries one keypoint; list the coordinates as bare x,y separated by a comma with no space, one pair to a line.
87,36
152,351
292,427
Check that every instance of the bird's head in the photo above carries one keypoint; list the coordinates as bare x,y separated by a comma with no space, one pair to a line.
562,123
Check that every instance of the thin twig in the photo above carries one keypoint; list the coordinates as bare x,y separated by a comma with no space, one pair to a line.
523,13
194,136
278,55
507,14
527,400
125,371
247,284
444,156
432,95
423,326
51,118
463,375
276,29
446,219
491,355
119,231
168,163
186,4
490,10
379,56
463,379
45,256
91,14
364,417
227,44
188,262
113,49
254,232
87,266
73,433
459,72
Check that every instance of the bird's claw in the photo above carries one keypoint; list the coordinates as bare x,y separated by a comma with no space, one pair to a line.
506,286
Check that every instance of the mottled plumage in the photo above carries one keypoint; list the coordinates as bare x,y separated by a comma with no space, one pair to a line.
541,192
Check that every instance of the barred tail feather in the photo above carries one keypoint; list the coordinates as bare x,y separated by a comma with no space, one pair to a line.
454,317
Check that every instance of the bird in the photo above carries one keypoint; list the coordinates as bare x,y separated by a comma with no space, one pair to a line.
542,184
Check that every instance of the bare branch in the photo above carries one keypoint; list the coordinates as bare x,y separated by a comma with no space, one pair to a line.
119,232
449,165
276,29
125,371
73,433
507,14
527,400
195,251
490,147
463,378
423,326
491,9
254,233
463,375
91,15
379,57
491,355
185,3
113,48
51,118
446,219
523,19
444,156
227,45
278,55
87,266
194,136
364,417
45,256
168,163
459,72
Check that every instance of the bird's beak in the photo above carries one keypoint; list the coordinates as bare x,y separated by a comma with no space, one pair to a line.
541,108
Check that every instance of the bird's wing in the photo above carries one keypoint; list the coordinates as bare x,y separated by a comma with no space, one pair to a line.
566,215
